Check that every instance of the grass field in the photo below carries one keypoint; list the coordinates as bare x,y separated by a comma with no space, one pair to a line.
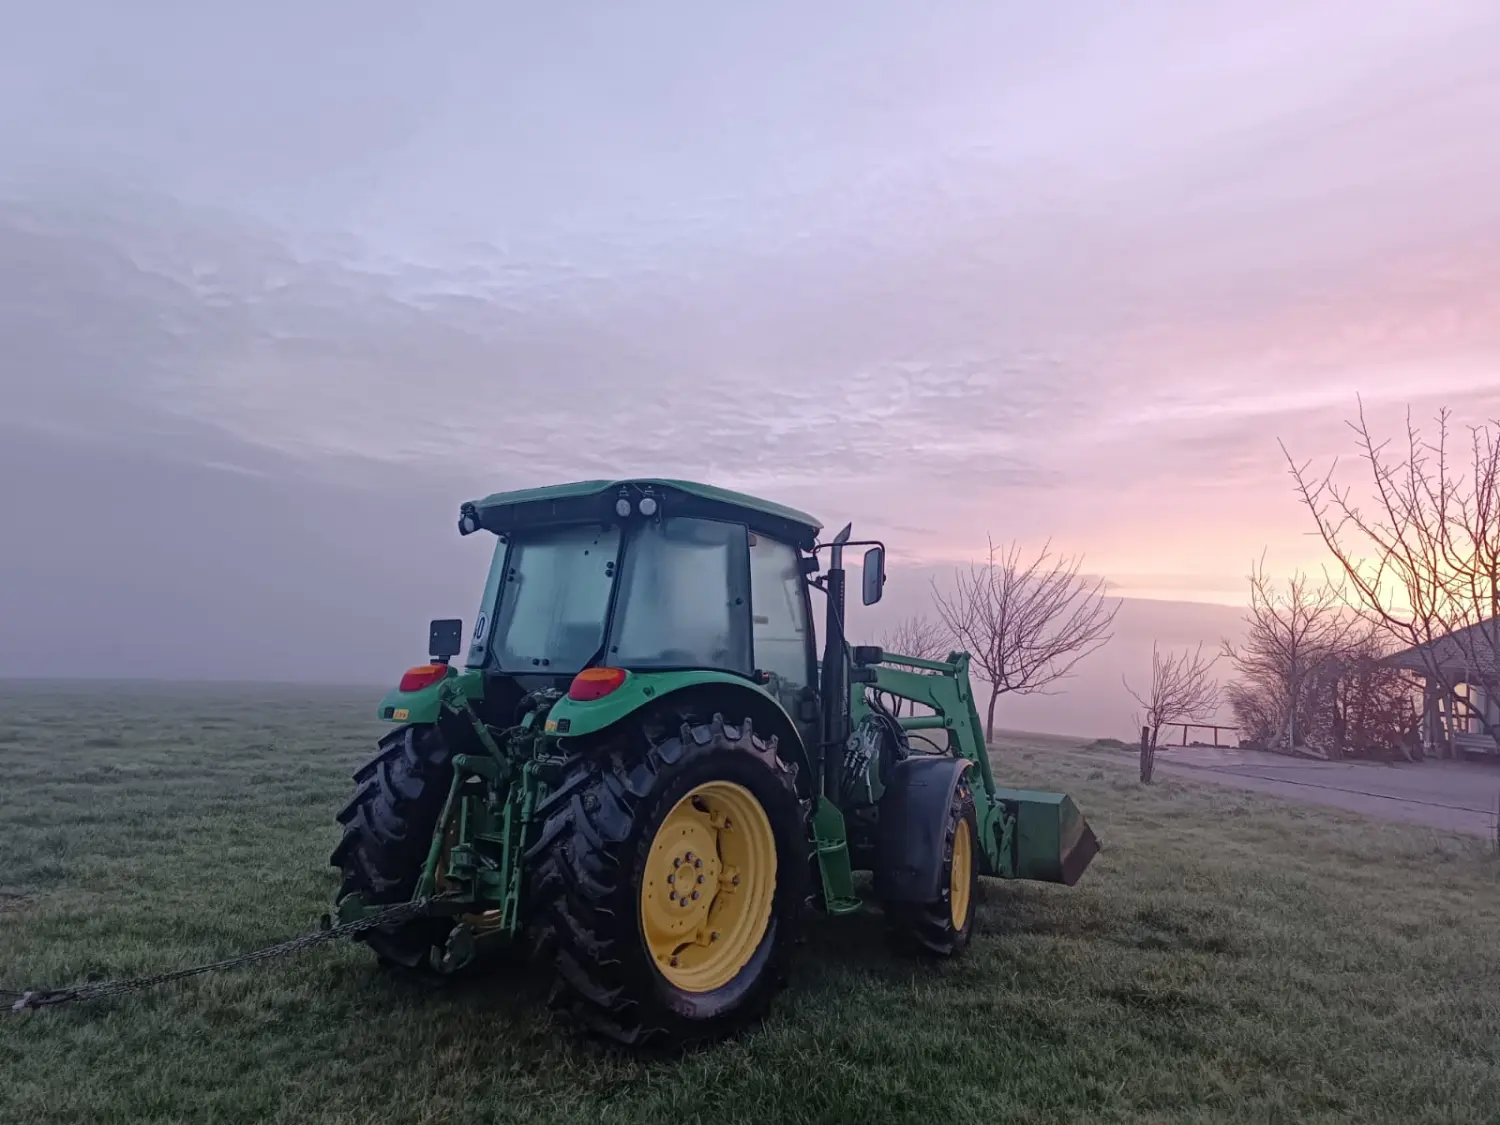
1227,958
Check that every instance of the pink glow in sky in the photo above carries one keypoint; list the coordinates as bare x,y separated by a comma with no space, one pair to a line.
1063,271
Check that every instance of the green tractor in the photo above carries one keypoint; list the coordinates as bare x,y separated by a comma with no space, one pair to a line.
645,776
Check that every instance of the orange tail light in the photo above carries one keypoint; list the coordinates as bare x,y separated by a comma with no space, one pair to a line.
422,675
595,683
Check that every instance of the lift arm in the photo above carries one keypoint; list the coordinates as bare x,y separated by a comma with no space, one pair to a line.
949,693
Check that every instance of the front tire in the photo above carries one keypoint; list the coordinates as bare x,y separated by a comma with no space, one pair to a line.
669,885
942,927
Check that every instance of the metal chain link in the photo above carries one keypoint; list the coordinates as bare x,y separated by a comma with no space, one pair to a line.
98,990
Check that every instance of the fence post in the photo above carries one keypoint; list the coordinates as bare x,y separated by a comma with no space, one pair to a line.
1148,756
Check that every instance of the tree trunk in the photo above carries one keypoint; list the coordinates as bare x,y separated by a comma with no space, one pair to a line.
1148,755
989,725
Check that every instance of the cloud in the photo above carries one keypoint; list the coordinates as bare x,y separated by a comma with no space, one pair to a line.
983,271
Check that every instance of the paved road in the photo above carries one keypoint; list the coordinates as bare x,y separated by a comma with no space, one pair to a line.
1454,796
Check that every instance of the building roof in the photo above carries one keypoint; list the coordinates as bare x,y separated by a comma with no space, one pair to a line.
1475,648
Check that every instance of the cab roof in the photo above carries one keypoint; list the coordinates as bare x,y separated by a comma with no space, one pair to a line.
588,500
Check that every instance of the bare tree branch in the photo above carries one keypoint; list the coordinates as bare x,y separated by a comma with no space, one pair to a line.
919,636
1290,634
1026,624
1423,562
1361,703
1181,691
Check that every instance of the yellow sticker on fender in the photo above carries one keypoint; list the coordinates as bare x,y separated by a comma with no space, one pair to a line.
551,727
400,713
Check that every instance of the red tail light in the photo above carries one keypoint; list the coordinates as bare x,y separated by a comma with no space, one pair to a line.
422,675
595,683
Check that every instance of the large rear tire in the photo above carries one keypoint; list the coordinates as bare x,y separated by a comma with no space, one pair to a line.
942,927
669,885
388,828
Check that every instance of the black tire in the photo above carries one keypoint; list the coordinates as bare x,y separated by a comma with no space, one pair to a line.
588,864
387,834
928,928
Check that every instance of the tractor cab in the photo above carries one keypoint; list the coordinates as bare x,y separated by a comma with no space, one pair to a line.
654,576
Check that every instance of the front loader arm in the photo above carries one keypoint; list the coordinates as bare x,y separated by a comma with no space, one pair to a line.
949,694
1025,834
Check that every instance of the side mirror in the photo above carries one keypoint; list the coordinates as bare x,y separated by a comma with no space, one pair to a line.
873,573
444,639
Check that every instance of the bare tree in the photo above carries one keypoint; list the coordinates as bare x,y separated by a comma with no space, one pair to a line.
919,636
1290,633
1027,624
1352,702
1181,691
1258,711
1422,562
1360,703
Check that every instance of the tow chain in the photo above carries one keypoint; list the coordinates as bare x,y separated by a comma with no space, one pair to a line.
98,990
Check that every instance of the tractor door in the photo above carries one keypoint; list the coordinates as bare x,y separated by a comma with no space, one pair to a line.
781,628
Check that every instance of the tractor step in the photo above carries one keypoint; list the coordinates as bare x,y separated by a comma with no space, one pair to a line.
832,842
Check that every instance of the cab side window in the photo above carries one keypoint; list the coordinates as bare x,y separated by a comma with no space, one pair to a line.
779,611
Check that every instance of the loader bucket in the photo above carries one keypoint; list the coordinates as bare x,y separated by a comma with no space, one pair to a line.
1053,843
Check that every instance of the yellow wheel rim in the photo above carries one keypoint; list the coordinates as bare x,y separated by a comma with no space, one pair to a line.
708,885
961,874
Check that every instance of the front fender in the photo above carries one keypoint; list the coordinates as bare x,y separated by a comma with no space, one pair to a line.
914,827
424,705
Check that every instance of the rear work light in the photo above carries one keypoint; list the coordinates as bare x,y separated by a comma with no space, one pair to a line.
422,675
595,683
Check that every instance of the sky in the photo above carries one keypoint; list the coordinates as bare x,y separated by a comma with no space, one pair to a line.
281,285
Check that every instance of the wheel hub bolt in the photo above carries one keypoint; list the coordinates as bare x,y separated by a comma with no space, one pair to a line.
714,936
697,863
672,896
700,878
695,894
671,878
674,962
735,881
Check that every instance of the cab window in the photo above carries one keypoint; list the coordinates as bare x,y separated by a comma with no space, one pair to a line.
682,595
778,607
